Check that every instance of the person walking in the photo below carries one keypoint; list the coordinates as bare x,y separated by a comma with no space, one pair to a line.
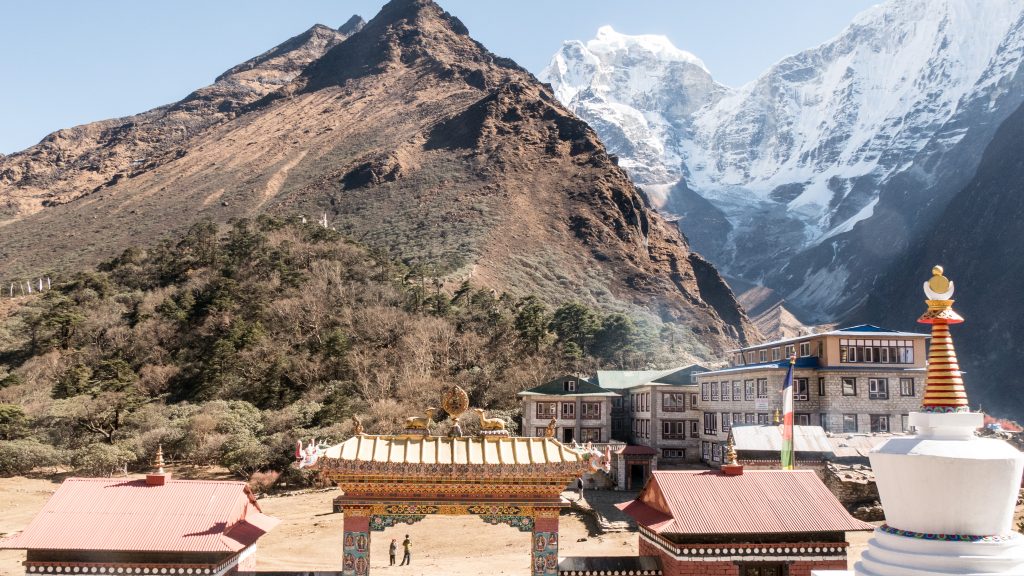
392,550
407,555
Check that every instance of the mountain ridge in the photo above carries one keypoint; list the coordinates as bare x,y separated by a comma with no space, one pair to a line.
417,141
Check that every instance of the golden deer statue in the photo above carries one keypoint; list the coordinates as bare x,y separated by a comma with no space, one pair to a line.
489,423
421,422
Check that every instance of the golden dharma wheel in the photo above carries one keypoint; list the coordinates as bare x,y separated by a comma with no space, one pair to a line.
455,401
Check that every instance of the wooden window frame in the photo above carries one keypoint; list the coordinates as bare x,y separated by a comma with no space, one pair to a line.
547,414
851,380
878,394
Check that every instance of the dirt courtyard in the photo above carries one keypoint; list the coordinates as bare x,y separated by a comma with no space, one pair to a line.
309,537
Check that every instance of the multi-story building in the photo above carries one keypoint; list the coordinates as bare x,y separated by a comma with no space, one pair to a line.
657,409
582,411
858,379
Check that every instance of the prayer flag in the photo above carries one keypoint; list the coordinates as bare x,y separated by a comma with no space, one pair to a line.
787,417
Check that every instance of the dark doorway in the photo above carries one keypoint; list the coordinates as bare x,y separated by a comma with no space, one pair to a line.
568,435
637,476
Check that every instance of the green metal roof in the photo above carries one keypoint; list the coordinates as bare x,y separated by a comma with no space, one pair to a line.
556,387
623,379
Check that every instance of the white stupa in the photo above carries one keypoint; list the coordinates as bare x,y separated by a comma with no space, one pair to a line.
948,495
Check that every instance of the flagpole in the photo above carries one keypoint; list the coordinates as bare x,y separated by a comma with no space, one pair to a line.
787,457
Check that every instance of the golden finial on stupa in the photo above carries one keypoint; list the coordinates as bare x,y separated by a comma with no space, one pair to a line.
944,387
730,453
158,463
777,418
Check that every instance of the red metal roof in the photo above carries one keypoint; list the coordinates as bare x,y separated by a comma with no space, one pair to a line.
129,515
637,450
756,502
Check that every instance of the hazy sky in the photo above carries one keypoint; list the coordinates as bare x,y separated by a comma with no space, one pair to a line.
71,62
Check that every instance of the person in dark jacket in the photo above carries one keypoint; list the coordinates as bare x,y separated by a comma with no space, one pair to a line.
393,550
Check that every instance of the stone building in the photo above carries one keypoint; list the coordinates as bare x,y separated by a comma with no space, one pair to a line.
858,379
657,409
755,523
154,525
581,410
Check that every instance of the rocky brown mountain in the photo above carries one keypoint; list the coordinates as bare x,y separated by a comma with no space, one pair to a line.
413,138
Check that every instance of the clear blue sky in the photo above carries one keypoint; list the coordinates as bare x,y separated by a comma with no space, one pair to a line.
71,62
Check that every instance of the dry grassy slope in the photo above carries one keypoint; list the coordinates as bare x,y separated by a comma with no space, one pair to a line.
416,139
71,163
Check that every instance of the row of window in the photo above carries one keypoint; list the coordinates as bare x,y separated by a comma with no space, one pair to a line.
586,434
589,410
830,423
641,428
676,429
735,391
878,389
876,351
641,401
777,353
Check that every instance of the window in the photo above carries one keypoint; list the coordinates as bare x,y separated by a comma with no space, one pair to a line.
906,386
823,420
748,390
647,401
547,409
849,422
750,418
673,429
790,351
694,428
714,391
762,387
726,392
705,449
762,417
710,423
801,419
590,435
878,388
737,390
693,399
704,388
726,421
760,569
821,386
673,401
569,386
739,359
540,432
647,428
905,422
776,354
716,452
884,351
849,386
673,453
591,410
879,422
763,355
750,357
800,389
568,410
737,418
805,349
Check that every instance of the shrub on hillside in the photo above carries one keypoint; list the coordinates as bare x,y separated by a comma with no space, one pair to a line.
102,460
19,457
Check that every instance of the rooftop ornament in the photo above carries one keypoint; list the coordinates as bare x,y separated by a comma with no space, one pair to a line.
944,387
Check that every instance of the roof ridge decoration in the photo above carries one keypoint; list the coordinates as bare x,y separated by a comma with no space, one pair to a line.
944,386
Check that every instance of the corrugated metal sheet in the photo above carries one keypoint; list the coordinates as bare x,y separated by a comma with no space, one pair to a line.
848,446
756,502
442,450
129,515
753,437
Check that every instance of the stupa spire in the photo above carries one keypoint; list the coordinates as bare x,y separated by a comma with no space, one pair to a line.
944,387
158,462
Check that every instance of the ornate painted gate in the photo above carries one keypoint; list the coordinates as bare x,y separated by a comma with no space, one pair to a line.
402,479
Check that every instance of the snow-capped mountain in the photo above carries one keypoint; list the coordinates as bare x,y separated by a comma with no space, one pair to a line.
798,165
